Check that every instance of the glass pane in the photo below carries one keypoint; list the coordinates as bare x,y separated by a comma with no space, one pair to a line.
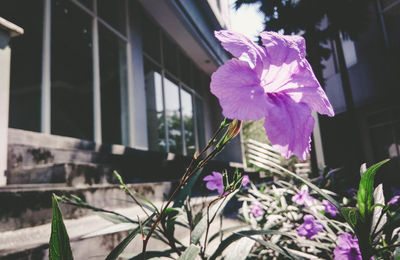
112,79
155,110
151,39
200,123
172,112
170,52
188,122
185,69
112,12
383,142
71,71
392,23
87,3
26,62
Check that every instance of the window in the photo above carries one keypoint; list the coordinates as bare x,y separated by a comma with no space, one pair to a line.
112,80
391,13
77,27
174,109
71,71
26,62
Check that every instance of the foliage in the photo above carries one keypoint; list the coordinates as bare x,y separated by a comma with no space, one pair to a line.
59,239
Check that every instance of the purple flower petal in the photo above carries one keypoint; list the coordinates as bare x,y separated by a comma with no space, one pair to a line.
289,125
239,92
245,180
214,182
276,82
242,48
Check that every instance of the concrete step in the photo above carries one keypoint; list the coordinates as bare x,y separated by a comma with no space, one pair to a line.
29,205
87,241
71,174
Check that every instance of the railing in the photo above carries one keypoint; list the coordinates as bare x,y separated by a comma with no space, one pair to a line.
264,156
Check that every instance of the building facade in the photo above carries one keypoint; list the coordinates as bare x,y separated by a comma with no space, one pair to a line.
372,64
98,79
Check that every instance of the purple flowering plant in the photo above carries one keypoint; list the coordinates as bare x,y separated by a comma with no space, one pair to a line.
273,81
310,227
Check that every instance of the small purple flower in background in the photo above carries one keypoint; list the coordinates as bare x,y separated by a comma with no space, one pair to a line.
347,248
273,81
351,191
394,201
303,197
257,210
310,227
330,208
214,182
245,180
395,191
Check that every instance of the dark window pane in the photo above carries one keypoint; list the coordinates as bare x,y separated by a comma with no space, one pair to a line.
112,78
87,3
113,13
155,109
392,23
171,91
26,62
201,139
185,69
170,54
188,121
151,39
71,71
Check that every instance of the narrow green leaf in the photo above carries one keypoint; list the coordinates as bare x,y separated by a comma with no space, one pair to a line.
186,191
274,247
241,249
236,236
151,254
224,231
190,253
366,190
121,246
59,247
201,227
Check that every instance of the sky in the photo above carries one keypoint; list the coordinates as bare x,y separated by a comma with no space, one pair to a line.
247,20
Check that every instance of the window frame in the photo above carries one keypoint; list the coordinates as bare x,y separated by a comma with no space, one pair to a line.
165,73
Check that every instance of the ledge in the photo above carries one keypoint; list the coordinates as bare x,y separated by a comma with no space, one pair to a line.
12,29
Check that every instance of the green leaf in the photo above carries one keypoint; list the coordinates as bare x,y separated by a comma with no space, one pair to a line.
151,254
121,246
201,227
59,247
186,191
351,215
190,253
241,249
236,236
224,231
366,191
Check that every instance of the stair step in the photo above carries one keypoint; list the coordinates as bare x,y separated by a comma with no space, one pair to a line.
30,205
69,173
32,243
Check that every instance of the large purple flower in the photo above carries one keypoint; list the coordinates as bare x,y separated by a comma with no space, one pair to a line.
347,248
214,182
310,227
275,82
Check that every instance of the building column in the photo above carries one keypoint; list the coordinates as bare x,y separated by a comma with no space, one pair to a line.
136,109
319,151
7,30
45,113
